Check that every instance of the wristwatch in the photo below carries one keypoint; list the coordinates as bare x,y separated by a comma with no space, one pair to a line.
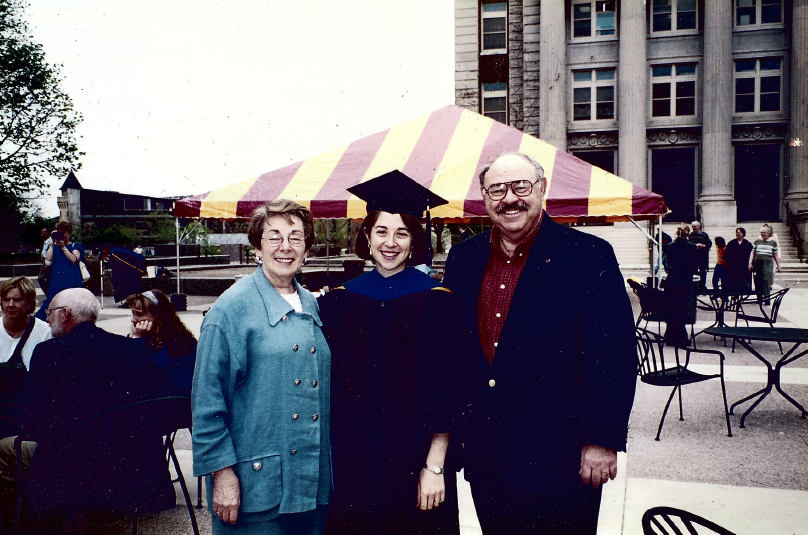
434,469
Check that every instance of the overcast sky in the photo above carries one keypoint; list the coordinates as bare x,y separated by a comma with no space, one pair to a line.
181,96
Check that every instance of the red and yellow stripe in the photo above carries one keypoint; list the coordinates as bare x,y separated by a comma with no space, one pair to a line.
443,151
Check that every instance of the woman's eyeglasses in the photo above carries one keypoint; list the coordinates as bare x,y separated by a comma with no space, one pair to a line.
520,188
275,240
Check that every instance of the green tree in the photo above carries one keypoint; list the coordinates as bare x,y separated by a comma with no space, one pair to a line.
37,119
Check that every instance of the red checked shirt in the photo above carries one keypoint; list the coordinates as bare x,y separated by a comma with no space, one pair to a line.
499,283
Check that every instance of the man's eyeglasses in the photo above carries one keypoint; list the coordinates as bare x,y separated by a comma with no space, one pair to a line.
520,188
49,310
275,240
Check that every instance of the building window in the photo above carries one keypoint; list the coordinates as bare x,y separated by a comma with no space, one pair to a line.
757,85
673,15
593,18
495,27
673,90
756,12
495,101
586,84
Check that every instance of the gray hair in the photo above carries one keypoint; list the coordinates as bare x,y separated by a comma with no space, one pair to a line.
82,304
534,163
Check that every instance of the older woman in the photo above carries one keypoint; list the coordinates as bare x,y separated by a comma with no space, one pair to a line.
394,335
170,343
20,332
737,258
762,261
261,390
63,257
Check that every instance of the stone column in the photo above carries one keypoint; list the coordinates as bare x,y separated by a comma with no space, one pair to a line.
553,74
716,197
797,146
632,95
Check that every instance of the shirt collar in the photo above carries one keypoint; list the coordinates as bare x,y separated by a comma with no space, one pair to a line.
496,237
278,307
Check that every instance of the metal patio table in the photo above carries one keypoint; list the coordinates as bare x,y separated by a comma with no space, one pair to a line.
784,335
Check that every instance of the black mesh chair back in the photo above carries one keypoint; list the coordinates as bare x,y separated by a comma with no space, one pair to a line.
658,369
652,303
115,461
671,521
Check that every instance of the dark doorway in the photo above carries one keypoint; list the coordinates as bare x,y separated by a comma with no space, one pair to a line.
673,175
757,182
599,158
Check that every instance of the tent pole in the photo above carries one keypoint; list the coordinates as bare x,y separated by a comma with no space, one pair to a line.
659,245
327,252
101,267
177,228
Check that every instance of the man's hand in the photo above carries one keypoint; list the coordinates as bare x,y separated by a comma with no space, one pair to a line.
598,465
226,495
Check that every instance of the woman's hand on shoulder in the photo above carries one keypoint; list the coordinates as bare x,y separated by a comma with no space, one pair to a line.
226,495
141,329
431,490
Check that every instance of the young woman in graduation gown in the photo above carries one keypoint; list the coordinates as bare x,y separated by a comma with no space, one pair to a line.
395,392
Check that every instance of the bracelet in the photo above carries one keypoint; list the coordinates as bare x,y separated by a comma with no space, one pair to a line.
437,470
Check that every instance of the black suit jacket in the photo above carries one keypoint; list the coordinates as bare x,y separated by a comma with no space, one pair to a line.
71,379
81,373
565,367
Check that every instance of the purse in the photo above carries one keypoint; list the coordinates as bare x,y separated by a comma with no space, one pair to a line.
13,372
85,273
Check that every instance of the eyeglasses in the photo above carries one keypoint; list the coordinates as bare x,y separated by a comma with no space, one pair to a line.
49,310
520,188
275,240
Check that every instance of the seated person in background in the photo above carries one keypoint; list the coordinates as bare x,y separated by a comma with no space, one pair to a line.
720,271
18,297
81,372
171,345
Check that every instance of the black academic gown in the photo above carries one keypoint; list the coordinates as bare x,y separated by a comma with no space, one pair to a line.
394,382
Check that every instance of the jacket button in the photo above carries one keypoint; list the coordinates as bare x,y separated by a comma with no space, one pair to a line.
297,382
284,318
315,417
295,416
314,384
294,451
492,383
256,466
313,350
295,348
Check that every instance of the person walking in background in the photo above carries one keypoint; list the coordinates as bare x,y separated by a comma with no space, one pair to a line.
171,345
552,360
737,258
63,257
720,270
394,334
703,243
762,262
683,261
261,387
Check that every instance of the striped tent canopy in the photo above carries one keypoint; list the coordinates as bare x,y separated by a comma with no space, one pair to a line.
443,151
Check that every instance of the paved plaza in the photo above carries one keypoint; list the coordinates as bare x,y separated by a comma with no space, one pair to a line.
754,482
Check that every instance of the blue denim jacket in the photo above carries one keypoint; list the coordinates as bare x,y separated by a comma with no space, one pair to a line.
261,398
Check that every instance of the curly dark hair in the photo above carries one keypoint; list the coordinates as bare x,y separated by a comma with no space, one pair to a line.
362,247
168,331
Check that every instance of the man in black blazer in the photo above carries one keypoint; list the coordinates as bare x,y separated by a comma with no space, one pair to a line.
552,361
81,372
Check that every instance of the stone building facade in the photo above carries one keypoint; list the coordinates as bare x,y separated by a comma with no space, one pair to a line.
703,101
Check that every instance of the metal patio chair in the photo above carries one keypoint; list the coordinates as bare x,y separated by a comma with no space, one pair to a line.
653,370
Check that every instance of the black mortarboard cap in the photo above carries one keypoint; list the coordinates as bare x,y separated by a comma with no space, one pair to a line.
396,193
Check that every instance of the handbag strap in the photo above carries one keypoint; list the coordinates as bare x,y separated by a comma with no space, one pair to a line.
16,357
